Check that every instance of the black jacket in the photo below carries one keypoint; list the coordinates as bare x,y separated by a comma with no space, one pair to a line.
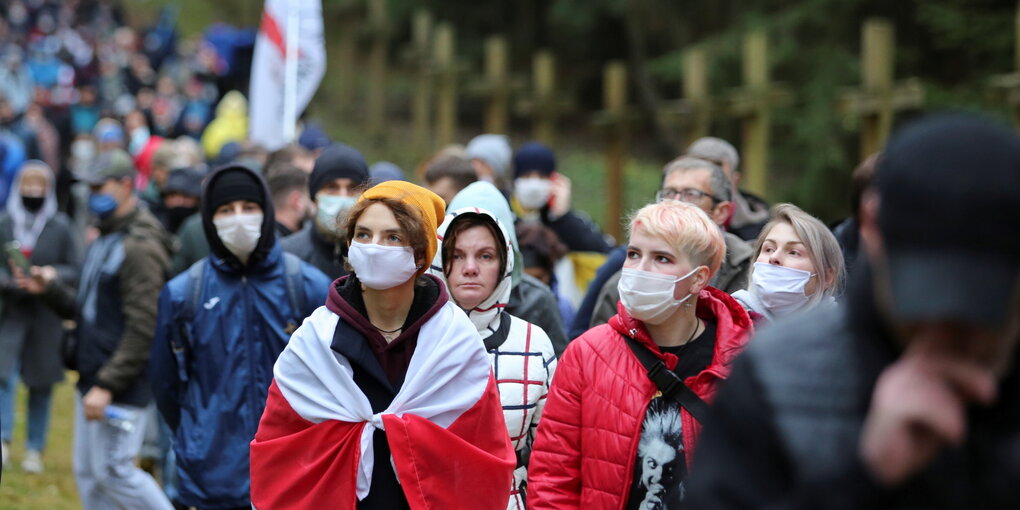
310,246
786,425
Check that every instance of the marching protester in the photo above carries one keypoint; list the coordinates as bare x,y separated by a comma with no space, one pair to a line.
337,179
386,386
30,332
530,299
542,194
702,183
798,266
625,409
288,185
115,313
909,397
476,261
750,212
220,327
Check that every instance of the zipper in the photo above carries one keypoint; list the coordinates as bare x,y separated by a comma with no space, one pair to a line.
248,339
632,454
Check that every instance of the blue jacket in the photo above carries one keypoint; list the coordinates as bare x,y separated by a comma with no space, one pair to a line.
214,402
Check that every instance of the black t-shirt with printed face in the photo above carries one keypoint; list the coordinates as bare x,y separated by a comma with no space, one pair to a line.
661,468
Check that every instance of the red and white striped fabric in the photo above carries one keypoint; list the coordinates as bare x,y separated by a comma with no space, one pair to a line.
445,427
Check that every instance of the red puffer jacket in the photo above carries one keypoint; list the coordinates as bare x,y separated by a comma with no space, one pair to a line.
587,440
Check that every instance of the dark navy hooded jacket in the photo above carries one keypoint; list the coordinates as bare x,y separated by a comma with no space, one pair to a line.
212,363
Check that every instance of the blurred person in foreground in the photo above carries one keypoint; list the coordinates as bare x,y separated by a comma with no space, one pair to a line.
909,397
476,261
384,398
626,407
798,266
337,180
115,313
220,327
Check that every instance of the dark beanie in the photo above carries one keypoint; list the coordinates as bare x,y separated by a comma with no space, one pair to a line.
534,156
338,161
234,184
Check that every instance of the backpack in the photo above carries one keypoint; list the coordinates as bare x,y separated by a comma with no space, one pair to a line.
292,280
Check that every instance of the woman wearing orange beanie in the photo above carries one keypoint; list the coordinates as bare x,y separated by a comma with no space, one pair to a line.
384,397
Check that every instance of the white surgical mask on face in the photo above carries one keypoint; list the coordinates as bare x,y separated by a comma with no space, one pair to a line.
381,267
329,209
240,233
648,297
780,289
532,192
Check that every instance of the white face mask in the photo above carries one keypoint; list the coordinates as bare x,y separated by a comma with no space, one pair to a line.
780,289
329,209
381,267
532,192
240,233
648,297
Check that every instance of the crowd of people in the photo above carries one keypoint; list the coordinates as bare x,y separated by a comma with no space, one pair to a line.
300,329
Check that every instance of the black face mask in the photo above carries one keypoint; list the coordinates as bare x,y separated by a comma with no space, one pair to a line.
32,204
176,215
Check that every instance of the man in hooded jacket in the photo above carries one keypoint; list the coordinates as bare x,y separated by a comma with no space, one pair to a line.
221,326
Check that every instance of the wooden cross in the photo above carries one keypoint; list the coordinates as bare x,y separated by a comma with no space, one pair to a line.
614,117
878,100
496,86
694,111
446,86
1008,85
753,104
544,106
421,56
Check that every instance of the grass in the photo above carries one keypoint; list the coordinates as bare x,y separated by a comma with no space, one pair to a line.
54,489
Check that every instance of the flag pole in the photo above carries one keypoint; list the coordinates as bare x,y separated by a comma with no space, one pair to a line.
290,75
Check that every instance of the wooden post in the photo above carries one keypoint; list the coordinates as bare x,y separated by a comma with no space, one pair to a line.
878,38
755,127
497,76
446,95
421,31
614,99
878,100
695,84
543,70
346,59
376,103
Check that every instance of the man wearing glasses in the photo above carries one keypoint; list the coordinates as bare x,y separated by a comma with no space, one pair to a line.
749,212
702,183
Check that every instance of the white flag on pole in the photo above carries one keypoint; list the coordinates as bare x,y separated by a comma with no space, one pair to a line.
270,124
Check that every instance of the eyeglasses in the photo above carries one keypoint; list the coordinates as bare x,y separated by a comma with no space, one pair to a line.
689,195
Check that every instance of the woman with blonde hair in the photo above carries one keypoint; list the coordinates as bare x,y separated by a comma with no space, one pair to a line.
625,408
798,266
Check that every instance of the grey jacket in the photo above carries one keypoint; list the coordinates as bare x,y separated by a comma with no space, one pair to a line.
532,301
309,246
30,331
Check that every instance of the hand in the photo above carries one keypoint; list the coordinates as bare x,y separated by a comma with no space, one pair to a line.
95,402
37,281
918,407
560,188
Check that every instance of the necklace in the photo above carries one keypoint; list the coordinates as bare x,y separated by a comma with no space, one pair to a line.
377,328
697,326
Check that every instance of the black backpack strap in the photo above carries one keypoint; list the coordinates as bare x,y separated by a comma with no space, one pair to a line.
668,382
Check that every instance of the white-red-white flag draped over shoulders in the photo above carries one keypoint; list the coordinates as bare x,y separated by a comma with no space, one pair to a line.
267,88
444,428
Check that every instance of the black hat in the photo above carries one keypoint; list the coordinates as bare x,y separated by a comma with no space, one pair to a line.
186,181
534,156
234,184
949,215
337,161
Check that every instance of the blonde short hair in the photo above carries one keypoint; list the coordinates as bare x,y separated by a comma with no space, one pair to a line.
822,247
686,228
